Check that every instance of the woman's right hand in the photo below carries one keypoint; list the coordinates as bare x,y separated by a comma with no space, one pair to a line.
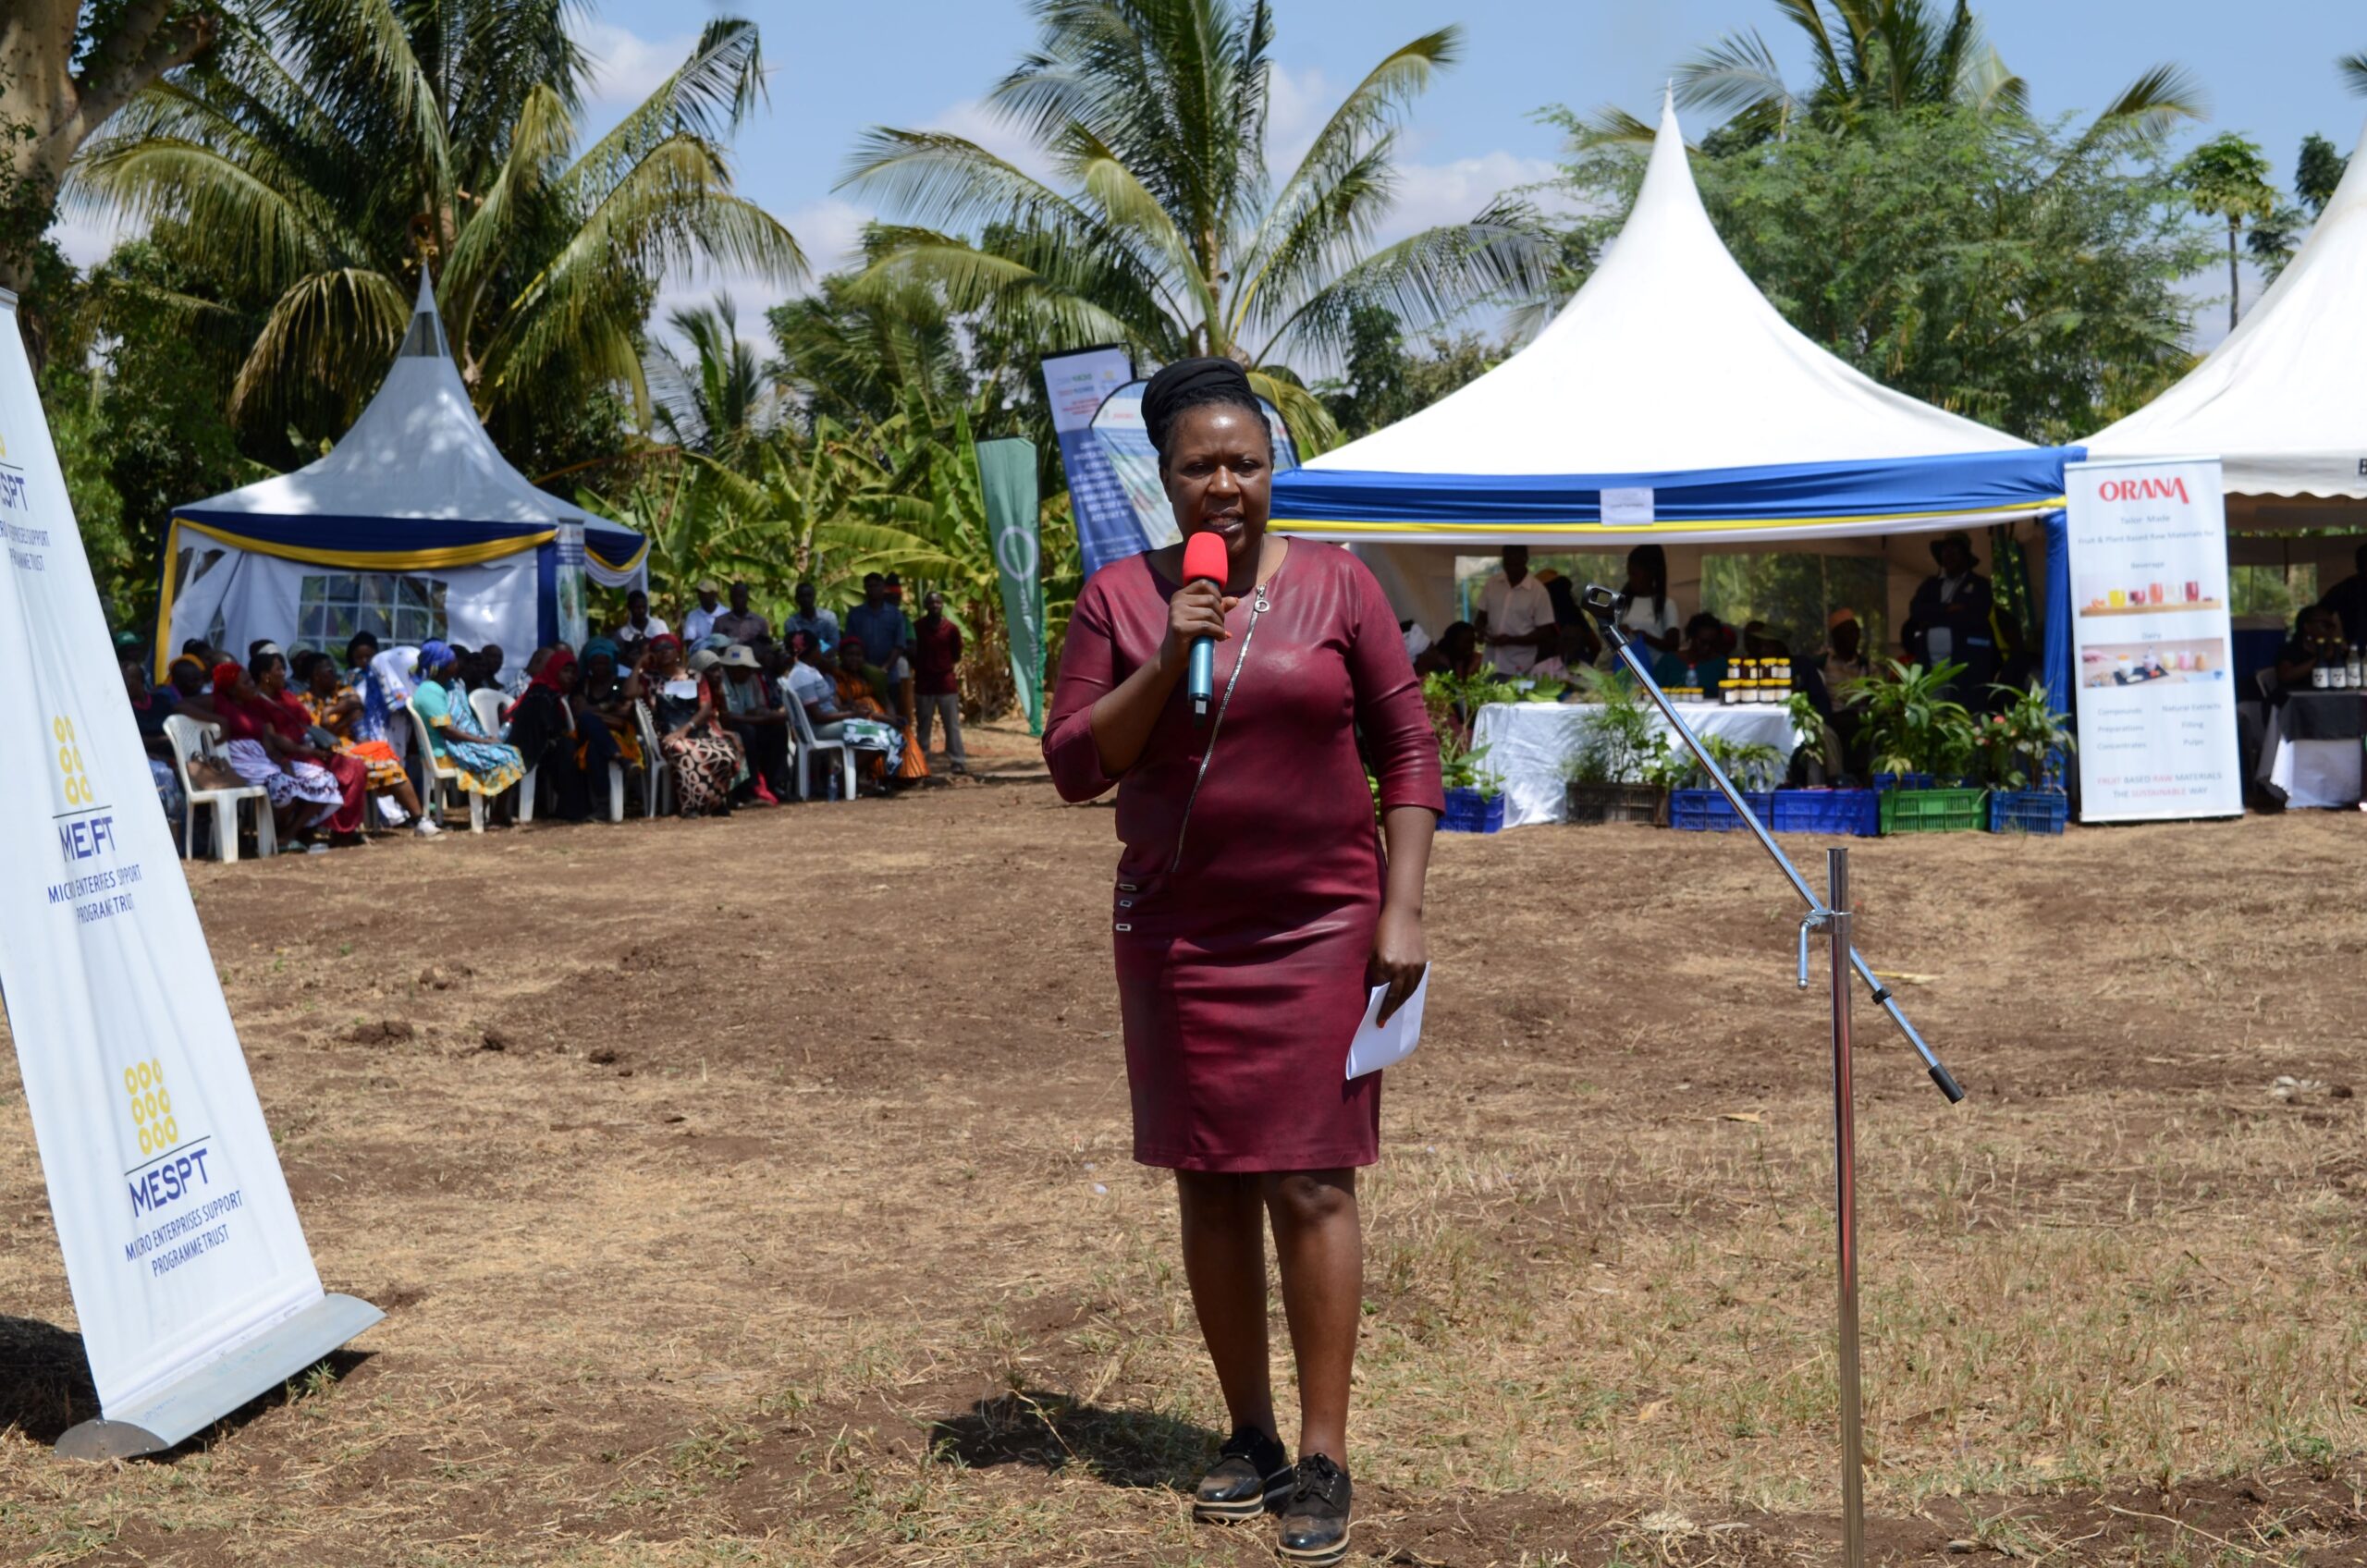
1197,610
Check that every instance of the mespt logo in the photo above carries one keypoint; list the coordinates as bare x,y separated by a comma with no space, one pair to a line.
151,1106
2143,490
77,778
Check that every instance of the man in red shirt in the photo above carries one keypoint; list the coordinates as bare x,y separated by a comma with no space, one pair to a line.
937,648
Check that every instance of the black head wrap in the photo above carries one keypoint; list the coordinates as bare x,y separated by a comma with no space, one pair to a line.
1189,384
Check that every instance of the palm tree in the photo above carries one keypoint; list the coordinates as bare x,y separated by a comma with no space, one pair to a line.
849,353
329,150
2227,178
1164,230
2354,72
720,401
1887,55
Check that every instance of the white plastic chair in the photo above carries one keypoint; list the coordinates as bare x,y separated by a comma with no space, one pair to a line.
657,774
443,778
192,738
810,746
486,704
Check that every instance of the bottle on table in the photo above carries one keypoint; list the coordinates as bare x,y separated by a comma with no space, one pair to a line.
2351,667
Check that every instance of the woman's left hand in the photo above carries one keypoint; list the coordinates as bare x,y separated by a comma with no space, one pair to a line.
1400,954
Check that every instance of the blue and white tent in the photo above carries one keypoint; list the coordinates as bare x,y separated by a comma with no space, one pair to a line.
414,525
1667,403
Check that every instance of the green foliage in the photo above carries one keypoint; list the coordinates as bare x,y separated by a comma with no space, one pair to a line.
2016,744
2317,169
1910,724
1385,383
327,151
1620,743
1163,229
719,401
1752,764
1872,57
71,401
2227,177
1975,262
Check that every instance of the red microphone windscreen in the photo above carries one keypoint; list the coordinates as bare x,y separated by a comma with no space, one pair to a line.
1204,556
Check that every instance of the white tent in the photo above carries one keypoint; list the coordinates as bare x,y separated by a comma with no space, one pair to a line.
2283,400
415,523
1669,374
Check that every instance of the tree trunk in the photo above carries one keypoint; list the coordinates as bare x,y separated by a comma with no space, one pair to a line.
52,109
2234,278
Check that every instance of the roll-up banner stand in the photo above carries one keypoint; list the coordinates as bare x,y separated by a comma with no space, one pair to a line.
191,1282
2151,640
1074,387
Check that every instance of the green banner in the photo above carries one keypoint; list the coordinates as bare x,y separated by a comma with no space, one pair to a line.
1007,479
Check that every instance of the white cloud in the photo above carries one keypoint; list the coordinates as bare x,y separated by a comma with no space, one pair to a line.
627,67
1454,191
1297,102
972,121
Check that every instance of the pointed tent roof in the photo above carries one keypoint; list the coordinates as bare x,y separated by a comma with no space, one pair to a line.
418,451
1669,358
2283,400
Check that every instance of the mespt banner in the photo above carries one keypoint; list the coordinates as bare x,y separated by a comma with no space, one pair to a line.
1006,480
193,1285
1075,385
2151,640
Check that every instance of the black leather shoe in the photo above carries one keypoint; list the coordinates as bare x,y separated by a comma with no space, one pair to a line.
1252,1473
1315,1520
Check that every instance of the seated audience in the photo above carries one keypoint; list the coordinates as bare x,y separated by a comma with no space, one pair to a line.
486,766
302,793
741,624
554,737
191,681
337,708
150,708
1456,653
708,758
753,711
607,693
287,714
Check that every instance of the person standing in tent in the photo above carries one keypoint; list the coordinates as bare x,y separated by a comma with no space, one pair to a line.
1516,623
1947,622
486,766
1652,616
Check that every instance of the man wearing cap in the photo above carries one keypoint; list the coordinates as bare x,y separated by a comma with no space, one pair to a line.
753,710
702,619
1947,622
742,624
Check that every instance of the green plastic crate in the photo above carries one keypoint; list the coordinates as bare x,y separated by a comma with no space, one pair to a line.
1933,811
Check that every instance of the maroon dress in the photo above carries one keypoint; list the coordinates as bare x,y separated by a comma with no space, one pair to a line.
1243,935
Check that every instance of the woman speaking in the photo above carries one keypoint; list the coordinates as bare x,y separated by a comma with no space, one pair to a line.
1253,907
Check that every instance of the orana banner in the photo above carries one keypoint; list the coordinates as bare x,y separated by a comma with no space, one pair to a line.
192,1285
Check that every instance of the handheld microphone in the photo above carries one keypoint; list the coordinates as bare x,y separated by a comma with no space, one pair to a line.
1204,560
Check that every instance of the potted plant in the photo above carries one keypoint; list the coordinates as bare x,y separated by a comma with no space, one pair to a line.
2021,748
1822,806
1475,797
1622,770
1695,804
1927,740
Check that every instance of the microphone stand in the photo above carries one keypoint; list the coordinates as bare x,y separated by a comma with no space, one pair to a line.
1834,916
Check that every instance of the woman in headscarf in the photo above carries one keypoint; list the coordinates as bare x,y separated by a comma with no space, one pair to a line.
545,727
288,715
607,694
486,766
302,792
337,707
708,758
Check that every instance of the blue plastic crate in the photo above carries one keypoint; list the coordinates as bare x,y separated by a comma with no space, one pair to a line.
1468,812
2028,811
1706,811
1847,813
1904,782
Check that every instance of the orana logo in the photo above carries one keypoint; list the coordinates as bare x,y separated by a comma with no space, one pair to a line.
2143,490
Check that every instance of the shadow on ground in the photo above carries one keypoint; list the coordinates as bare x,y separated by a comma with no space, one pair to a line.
1125,1448
45,1386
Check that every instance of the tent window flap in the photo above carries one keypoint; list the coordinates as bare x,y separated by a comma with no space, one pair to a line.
332,606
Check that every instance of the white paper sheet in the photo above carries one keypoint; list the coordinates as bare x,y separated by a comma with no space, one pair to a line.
1384,1045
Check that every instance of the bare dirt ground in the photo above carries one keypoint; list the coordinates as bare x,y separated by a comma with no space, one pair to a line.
758,1192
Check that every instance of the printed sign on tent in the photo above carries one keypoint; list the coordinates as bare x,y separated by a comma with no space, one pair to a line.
192,1285
2155,682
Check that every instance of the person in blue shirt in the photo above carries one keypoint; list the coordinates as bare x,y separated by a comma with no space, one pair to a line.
881,626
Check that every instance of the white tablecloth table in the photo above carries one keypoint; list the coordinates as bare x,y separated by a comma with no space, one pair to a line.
1530,744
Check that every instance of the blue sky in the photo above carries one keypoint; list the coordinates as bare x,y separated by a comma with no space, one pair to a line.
836,69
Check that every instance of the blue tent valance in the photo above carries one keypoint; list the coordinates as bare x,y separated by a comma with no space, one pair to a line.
1798,501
